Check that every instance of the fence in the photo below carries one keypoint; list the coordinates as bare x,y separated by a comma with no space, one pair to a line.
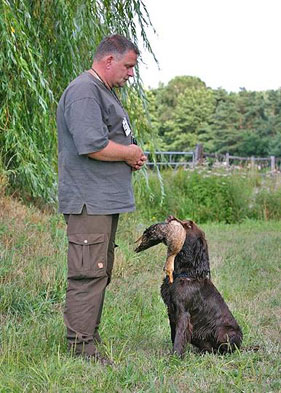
191,159
171,159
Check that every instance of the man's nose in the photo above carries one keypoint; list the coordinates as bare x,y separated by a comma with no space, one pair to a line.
131,72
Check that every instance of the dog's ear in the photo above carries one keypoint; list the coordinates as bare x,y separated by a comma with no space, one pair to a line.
201,257
187,224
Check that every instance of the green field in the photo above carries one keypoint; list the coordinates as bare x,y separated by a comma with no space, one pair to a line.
245,263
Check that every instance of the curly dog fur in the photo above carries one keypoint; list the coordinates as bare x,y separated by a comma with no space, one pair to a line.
197,312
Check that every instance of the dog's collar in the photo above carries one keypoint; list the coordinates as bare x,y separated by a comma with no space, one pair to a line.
181,275
186,275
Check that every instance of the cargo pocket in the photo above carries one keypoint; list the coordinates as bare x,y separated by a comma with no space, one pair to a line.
86,255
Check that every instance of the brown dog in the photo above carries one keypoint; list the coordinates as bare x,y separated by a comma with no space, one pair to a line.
197,312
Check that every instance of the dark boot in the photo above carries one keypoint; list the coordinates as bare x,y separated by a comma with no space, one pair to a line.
89,352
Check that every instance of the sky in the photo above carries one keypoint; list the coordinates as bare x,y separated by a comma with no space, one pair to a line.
231,44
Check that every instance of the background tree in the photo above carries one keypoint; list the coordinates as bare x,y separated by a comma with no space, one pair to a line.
273,110
185,109
225,123
166,99
244,123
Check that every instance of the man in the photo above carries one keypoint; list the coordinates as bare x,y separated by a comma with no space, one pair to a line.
97,154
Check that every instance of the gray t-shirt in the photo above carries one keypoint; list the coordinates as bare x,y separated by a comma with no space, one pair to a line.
88,116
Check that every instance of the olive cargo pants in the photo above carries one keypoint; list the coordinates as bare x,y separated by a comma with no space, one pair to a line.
91,242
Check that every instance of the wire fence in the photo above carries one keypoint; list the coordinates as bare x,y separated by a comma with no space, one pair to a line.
191,159
172,159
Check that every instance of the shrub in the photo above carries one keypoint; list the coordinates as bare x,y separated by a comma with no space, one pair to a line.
206,196
268,205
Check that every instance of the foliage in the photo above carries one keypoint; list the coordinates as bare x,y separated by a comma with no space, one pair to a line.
135,327
210,196
245,123
267,204
190,118
45,44
141,120
165,107
167,96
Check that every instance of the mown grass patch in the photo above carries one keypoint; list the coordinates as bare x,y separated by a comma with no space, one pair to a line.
245,260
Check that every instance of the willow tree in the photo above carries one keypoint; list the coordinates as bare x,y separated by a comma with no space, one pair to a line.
44,45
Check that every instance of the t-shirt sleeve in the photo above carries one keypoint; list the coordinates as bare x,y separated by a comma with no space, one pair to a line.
85,123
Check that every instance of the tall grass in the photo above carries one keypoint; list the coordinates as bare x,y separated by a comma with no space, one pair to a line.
44,45
209,196
245,262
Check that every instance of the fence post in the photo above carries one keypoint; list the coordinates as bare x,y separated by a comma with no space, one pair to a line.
193,160
198,154
227,159
252,162
272,163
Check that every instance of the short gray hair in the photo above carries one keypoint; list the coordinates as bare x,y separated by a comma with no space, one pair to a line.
115,44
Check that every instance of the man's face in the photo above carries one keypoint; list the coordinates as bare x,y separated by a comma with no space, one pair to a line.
122,68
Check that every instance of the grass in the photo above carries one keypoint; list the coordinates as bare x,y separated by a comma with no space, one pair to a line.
210,195
245,260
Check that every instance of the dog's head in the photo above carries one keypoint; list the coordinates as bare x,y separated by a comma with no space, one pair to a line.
194,255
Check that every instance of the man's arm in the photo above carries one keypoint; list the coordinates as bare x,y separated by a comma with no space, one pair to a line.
131,154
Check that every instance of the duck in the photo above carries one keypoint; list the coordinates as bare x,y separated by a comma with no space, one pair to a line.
172,233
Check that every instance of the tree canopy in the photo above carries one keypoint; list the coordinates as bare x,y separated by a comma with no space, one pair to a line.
244,123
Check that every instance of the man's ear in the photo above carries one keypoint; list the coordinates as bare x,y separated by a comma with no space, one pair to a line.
108,60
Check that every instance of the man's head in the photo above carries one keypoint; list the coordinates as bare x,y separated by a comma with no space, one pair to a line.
115,59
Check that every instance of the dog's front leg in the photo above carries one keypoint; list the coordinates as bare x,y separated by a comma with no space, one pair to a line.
172,319
183,332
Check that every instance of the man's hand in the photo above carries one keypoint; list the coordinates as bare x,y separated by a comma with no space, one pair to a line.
136,157
131,154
